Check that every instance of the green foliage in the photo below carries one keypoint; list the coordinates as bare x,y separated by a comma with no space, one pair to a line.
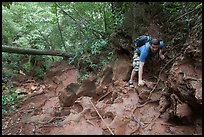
25,25
178,19
54,8
98,46
9,99
11,65
27,67
7,4
177,9
199,6
85,27
84,76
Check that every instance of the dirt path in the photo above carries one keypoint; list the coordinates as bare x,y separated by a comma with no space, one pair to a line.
116,113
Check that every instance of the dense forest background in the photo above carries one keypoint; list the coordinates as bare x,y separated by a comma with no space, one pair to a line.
80,33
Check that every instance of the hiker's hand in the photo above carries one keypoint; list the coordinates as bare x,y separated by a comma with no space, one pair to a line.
141,83
162,57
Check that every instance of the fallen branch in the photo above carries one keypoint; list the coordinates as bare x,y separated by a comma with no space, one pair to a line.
136,129
152,122
101,117
138,122
103,96
186,14
149,101
88,121
153,88
162,123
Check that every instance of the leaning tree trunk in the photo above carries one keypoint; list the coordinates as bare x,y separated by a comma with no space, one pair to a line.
32,51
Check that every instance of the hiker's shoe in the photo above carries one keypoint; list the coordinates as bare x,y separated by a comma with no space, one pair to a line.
130,84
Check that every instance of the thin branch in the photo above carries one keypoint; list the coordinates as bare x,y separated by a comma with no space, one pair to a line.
138,122
149,101
152,122
101,117
185,14
65,12
76,21
46,39
102,34
102,97
162,123
60,32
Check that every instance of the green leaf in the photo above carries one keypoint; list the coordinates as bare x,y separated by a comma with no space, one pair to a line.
54,8
199,6
7,4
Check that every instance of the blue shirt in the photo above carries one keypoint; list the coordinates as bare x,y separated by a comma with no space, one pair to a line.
144,51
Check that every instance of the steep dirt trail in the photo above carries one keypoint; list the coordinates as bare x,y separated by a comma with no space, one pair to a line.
40,112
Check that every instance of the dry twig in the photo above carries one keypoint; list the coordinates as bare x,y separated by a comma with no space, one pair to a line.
102,97
138,122
149,101
162,123
101,117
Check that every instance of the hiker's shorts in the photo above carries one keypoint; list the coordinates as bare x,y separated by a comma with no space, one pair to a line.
135,63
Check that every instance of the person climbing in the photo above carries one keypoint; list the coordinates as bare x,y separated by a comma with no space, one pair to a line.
141,53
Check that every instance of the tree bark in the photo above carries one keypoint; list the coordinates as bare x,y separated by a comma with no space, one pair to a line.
32,51
58,25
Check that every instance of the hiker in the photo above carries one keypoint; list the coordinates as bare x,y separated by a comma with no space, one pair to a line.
141,53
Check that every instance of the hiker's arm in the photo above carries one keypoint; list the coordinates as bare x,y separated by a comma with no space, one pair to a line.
140,72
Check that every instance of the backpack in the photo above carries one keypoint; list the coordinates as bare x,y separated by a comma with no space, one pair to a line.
140,41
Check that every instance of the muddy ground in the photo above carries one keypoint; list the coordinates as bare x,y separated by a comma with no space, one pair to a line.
115,109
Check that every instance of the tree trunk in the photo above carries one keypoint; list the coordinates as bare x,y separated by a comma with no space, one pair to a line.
60,31
32,51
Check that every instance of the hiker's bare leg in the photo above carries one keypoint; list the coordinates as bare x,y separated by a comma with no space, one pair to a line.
132,75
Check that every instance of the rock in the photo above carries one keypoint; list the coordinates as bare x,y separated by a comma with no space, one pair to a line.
150,84
87,88
186,80
65,112
99,90
183,110
143,92
119,124
197,86
42,118
68,95
107,76
163,104
121,68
